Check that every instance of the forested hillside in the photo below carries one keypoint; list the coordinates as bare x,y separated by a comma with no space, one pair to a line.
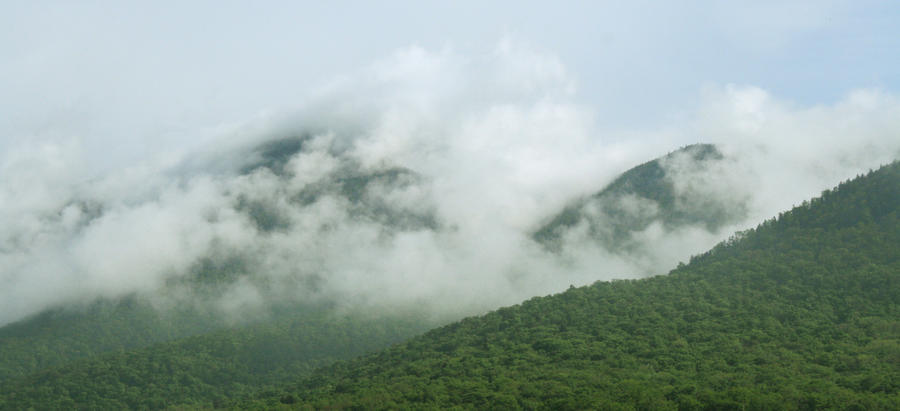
667,190
801,313
460,205
207,369
196,339
192,302
62,335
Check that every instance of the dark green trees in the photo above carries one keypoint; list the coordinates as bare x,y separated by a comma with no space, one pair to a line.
801,313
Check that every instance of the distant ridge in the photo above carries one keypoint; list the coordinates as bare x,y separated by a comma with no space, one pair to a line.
642,196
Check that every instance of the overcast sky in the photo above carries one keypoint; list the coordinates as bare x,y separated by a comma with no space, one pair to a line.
132,78
117,120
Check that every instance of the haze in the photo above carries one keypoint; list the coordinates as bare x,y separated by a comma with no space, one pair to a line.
507,112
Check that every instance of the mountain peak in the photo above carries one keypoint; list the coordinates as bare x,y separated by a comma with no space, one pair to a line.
799,313
659,191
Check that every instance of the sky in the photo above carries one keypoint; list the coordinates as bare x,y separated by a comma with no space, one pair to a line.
135,78
507,110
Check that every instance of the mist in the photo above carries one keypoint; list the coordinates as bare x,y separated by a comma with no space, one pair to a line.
414,182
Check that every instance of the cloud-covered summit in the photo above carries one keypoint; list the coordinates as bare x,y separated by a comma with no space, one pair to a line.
671,192
415,182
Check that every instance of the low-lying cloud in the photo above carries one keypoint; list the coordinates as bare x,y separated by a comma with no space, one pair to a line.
416,182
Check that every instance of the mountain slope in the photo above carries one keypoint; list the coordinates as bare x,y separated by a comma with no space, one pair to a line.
85,352
207,369
191,302
56,337
668,190
800,313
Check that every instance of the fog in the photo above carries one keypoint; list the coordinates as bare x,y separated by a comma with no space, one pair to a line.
457,160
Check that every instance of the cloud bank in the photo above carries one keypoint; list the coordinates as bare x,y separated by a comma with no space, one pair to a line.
414,182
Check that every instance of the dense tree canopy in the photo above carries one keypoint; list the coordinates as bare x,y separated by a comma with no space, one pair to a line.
801,313
207,369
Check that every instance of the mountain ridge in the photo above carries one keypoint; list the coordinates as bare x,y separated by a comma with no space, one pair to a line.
798,313
642,195
127,365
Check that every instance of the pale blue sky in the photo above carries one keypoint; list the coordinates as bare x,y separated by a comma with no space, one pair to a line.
135,72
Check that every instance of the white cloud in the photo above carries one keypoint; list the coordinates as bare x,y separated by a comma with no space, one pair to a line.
498,143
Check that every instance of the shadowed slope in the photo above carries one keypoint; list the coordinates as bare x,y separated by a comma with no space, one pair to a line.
658,191
800,313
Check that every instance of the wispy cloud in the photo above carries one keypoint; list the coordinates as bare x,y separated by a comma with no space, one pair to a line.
416,181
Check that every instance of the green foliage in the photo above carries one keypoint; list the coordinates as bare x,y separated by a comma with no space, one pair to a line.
801,313
206,370
78,347
610,214
59,336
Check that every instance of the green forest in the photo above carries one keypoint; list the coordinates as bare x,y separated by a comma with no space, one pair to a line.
202,370
450,205
802,312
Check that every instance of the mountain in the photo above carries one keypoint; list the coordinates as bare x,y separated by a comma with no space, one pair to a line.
188,303
65,334
194,342
183,322
208,369
347,180
800,313
671,190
